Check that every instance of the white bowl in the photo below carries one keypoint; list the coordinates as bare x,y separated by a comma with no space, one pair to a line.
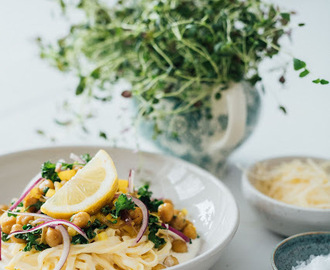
280,217
210,204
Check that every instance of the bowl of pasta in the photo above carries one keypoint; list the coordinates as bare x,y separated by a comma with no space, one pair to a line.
291,195
89,208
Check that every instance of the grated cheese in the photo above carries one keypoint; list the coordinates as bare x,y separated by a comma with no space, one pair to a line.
303,183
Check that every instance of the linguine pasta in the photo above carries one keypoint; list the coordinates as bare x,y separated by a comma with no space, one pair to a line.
123,229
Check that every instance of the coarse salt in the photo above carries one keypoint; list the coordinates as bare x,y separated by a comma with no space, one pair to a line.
321,262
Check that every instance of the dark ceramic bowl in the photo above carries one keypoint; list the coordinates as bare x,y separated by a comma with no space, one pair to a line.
299,248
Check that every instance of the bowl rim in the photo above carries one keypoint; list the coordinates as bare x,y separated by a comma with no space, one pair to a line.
246,180
216,181
289,239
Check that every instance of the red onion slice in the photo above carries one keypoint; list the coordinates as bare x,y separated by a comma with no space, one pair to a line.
180,234
131,176
145,216
59,165
50,224
66,247
30,214
25,194
77,158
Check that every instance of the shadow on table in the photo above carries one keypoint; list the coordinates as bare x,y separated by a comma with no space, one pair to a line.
252,246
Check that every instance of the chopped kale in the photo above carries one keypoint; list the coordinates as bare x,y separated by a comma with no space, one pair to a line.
45,190
48,171
106,210
66,166
145,197
122,203
4,237
90,231
78,239
154,226
86,157
12,215
32,239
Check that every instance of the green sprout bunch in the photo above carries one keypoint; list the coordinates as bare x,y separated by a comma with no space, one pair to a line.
173,50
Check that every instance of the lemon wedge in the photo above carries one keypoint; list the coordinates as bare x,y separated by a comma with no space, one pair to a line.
89,190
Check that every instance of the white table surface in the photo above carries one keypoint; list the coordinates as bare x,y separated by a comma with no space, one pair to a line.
31,93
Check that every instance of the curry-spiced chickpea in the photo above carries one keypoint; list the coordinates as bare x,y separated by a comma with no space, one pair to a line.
166,212
28,202
171,261
179,221
3,208
7,223
190,231
168,201
17,227
53,237
23,220
46,184
179,246
136,215
81,219
159,267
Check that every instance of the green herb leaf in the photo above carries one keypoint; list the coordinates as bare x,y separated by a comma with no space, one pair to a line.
154,226
321,81
283,109
81,86
103,135
86,157
66,166
78,240
106,210
122,203
48,171
298,64
145,197
304,73
4,237
32,239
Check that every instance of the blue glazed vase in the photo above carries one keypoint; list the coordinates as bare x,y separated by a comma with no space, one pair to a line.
207,138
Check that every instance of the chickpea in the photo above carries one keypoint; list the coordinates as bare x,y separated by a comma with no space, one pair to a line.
7,223
53,237
168,201
170,261
179,221
158,267
46,184
28,201
179,246
23,220
17,227
81,219
136,215
3,208
166,212
190,231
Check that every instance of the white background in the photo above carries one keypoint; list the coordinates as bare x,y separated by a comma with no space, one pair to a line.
31,94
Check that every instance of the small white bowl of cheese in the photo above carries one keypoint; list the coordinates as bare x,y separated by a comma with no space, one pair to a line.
290,194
